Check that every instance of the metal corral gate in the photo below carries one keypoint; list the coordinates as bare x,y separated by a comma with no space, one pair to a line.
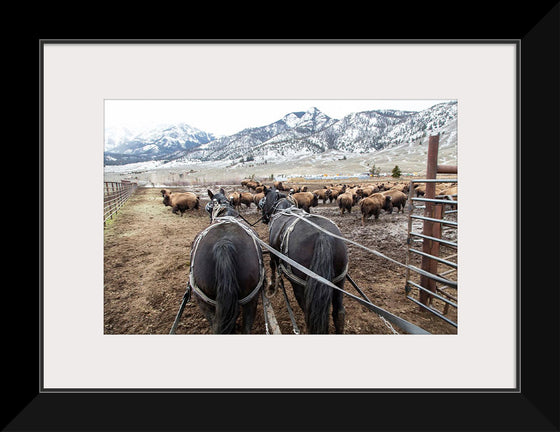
115,195
435,290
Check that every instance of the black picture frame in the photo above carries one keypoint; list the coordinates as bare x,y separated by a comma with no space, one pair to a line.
533,407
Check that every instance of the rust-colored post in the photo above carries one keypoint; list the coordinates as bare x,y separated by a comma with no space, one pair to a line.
428,228
436,232
447,169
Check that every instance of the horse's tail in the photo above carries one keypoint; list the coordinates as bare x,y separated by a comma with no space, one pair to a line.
227,286
318,296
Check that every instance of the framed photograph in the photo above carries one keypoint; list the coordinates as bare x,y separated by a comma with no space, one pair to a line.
333,158
123,365
127,311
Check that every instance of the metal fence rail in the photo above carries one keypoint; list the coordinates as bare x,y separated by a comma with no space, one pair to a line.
436,290
433,284
115,195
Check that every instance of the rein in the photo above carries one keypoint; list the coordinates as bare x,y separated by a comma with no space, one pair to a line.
249,223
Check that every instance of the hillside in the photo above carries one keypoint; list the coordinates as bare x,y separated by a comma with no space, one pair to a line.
300,143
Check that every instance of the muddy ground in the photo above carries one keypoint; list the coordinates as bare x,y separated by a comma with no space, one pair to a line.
146,267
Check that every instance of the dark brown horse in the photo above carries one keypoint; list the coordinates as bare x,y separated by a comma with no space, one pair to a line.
316,250
227,270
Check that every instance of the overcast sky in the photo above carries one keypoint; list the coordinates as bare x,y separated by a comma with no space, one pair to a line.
226,117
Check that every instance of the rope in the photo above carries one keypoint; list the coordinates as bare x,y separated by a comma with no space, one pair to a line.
265,313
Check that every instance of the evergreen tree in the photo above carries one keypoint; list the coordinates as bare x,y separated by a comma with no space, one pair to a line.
396,172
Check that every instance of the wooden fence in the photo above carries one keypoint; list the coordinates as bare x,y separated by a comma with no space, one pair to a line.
115,195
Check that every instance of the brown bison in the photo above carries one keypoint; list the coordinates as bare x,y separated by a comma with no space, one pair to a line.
450,194
353,191
398,199
420,190
238,198
181,202
373,204
257,198
366,191
403,187
334,191
233,199
305,200
246,198
345,201
449,191
251,184
322,194
295,189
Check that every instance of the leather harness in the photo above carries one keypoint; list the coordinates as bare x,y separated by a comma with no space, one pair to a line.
284,247
219,221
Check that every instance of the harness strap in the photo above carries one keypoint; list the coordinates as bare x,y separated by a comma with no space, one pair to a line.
284,247
290,274
291,199
290,310
186,298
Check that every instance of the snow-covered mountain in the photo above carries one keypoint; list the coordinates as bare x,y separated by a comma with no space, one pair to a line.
295,134
258,140
164,143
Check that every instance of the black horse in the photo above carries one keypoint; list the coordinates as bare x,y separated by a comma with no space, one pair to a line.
227,270
314,249
221,202
219,205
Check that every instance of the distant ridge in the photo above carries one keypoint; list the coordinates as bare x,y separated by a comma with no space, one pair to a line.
295,134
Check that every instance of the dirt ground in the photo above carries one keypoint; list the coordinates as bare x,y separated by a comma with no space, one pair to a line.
146,267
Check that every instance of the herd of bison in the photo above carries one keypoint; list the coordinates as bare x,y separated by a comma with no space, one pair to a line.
148,242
